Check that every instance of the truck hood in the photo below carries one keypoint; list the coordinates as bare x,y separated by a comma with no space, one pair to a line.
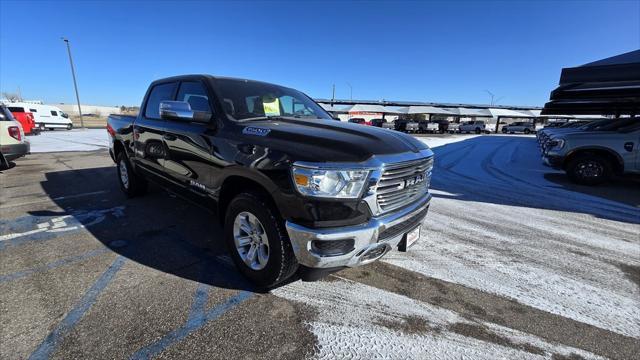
327,140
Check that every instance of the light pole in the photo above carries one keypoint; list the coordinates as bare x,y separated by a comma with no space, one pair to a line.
350,91
75,84
492,103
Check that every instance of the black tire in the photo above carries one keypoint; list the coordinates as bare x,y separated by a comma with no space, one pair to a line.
41,127
504,130
527,131
478,131
70,126
136,185
4,164
589,169
282,262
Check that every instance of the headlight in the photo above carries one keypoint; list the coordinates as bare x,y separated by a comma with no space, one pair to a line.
555,144
345,184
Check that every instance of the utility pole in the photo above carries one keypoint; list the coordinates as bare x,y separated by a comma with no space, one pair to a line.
75,84
333,94
350,91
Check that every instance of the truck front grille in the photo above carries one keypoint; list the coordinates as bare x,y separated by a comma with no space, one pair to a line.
403,183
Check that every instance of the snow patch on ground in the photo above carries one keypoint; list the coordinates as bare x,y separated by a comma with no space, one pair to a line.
435,141
69,140
498,225
359,321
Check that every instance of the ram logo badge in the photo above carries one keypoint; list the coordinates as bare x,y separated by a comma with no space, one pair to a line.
256,131
197,185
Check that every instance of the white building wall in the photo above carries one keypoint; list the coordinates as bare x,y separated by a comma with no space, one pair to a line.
72,109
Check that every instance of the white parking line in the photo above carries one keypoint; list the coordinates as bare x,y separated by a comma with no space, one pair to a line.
54,199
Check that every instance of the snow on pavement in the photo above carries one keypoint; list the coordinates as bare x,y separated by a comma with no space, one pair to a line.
359,321
69,140
523,237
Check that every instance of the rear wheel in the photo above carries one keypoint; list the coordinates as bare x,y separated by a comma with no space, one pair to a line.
41,126
478,131
131,183
589,169
527,131
4,164
257,240
505,130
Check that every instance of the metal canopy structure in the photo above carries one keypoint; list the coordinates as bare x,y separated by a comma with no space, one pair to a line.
506,113
419,109
368,108
336,109
420,103
607,86
469,112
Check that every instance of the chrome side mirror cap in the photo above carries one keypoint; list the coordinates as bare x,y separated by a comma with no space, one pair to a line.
181,111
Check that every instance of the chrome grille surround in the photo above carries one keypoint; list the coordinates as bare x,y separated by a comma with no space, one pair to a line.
402,183
378,165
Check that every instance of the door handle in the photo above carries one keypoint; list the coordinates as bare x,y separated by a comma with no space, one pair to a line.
169,137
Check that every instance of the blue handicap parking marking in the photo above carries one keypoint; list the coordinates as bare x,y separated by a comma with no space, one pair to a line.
38,228
51,342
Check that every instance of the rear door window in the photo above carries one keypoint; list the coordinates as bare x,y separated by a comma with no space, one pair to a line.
54,113
16,109
160,92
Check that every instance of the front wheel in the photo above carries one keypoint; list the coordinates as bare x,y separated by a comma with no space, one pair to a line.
69,126
478,131
131,183
589,169
257,240
527,131
41,126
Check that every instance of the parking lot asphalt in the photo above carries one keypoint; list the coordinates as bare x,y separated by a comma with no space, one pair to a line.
512,263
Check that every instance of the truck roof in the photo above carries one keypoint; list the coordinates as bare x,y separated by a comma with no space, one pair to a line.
205,77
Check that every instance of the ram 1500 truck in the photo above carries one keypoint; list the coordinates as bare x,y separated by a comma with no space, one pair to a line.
293,189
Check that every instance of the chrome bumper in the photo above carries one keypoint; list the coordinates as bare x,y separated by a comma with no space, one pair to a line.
365,238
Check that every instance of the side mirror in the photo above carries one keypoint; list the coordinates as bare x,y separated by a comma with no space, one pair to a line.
181,111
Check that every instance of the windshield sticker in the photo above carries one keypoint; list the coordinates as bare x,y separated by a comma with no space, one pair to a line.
271,106
256,131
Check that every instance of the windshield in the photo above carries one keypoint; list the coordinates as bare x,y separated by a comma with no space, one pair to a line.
247,100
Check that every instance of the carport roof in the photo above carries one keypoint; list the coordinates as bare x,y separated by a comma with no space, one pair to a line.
372,108
424,110
510,113
336,109
461,111
607,86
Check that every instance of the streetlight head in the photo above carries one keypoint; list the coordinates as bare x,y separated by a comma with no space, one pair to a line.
64,39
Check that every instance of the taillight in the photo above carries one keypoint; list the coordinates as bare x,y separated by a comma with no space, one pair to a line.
111,131
14,132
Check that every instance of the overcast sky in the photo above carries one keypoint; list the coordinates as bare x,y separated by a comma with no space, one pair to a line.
421,51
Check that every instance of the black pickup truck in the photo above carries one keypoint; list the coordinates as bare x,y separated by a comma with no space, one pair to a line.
294,189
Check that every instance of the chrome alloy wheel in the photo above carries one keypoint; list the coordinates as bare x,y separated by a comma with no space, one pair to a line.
124,174
251,240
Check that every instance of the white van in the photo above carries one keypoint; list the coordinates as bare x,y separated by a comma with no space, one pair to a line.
48,117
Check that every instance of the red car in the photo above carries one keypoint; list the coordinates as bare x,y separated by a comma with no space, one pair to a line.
360,121
26,119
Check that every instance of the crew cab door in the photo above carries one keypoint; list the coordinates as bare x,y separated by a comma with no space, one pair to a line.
190,144
148,130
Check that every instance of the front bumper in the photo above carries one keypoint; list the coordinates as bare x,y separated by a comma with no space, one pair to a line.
366,237
14,151
554,161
